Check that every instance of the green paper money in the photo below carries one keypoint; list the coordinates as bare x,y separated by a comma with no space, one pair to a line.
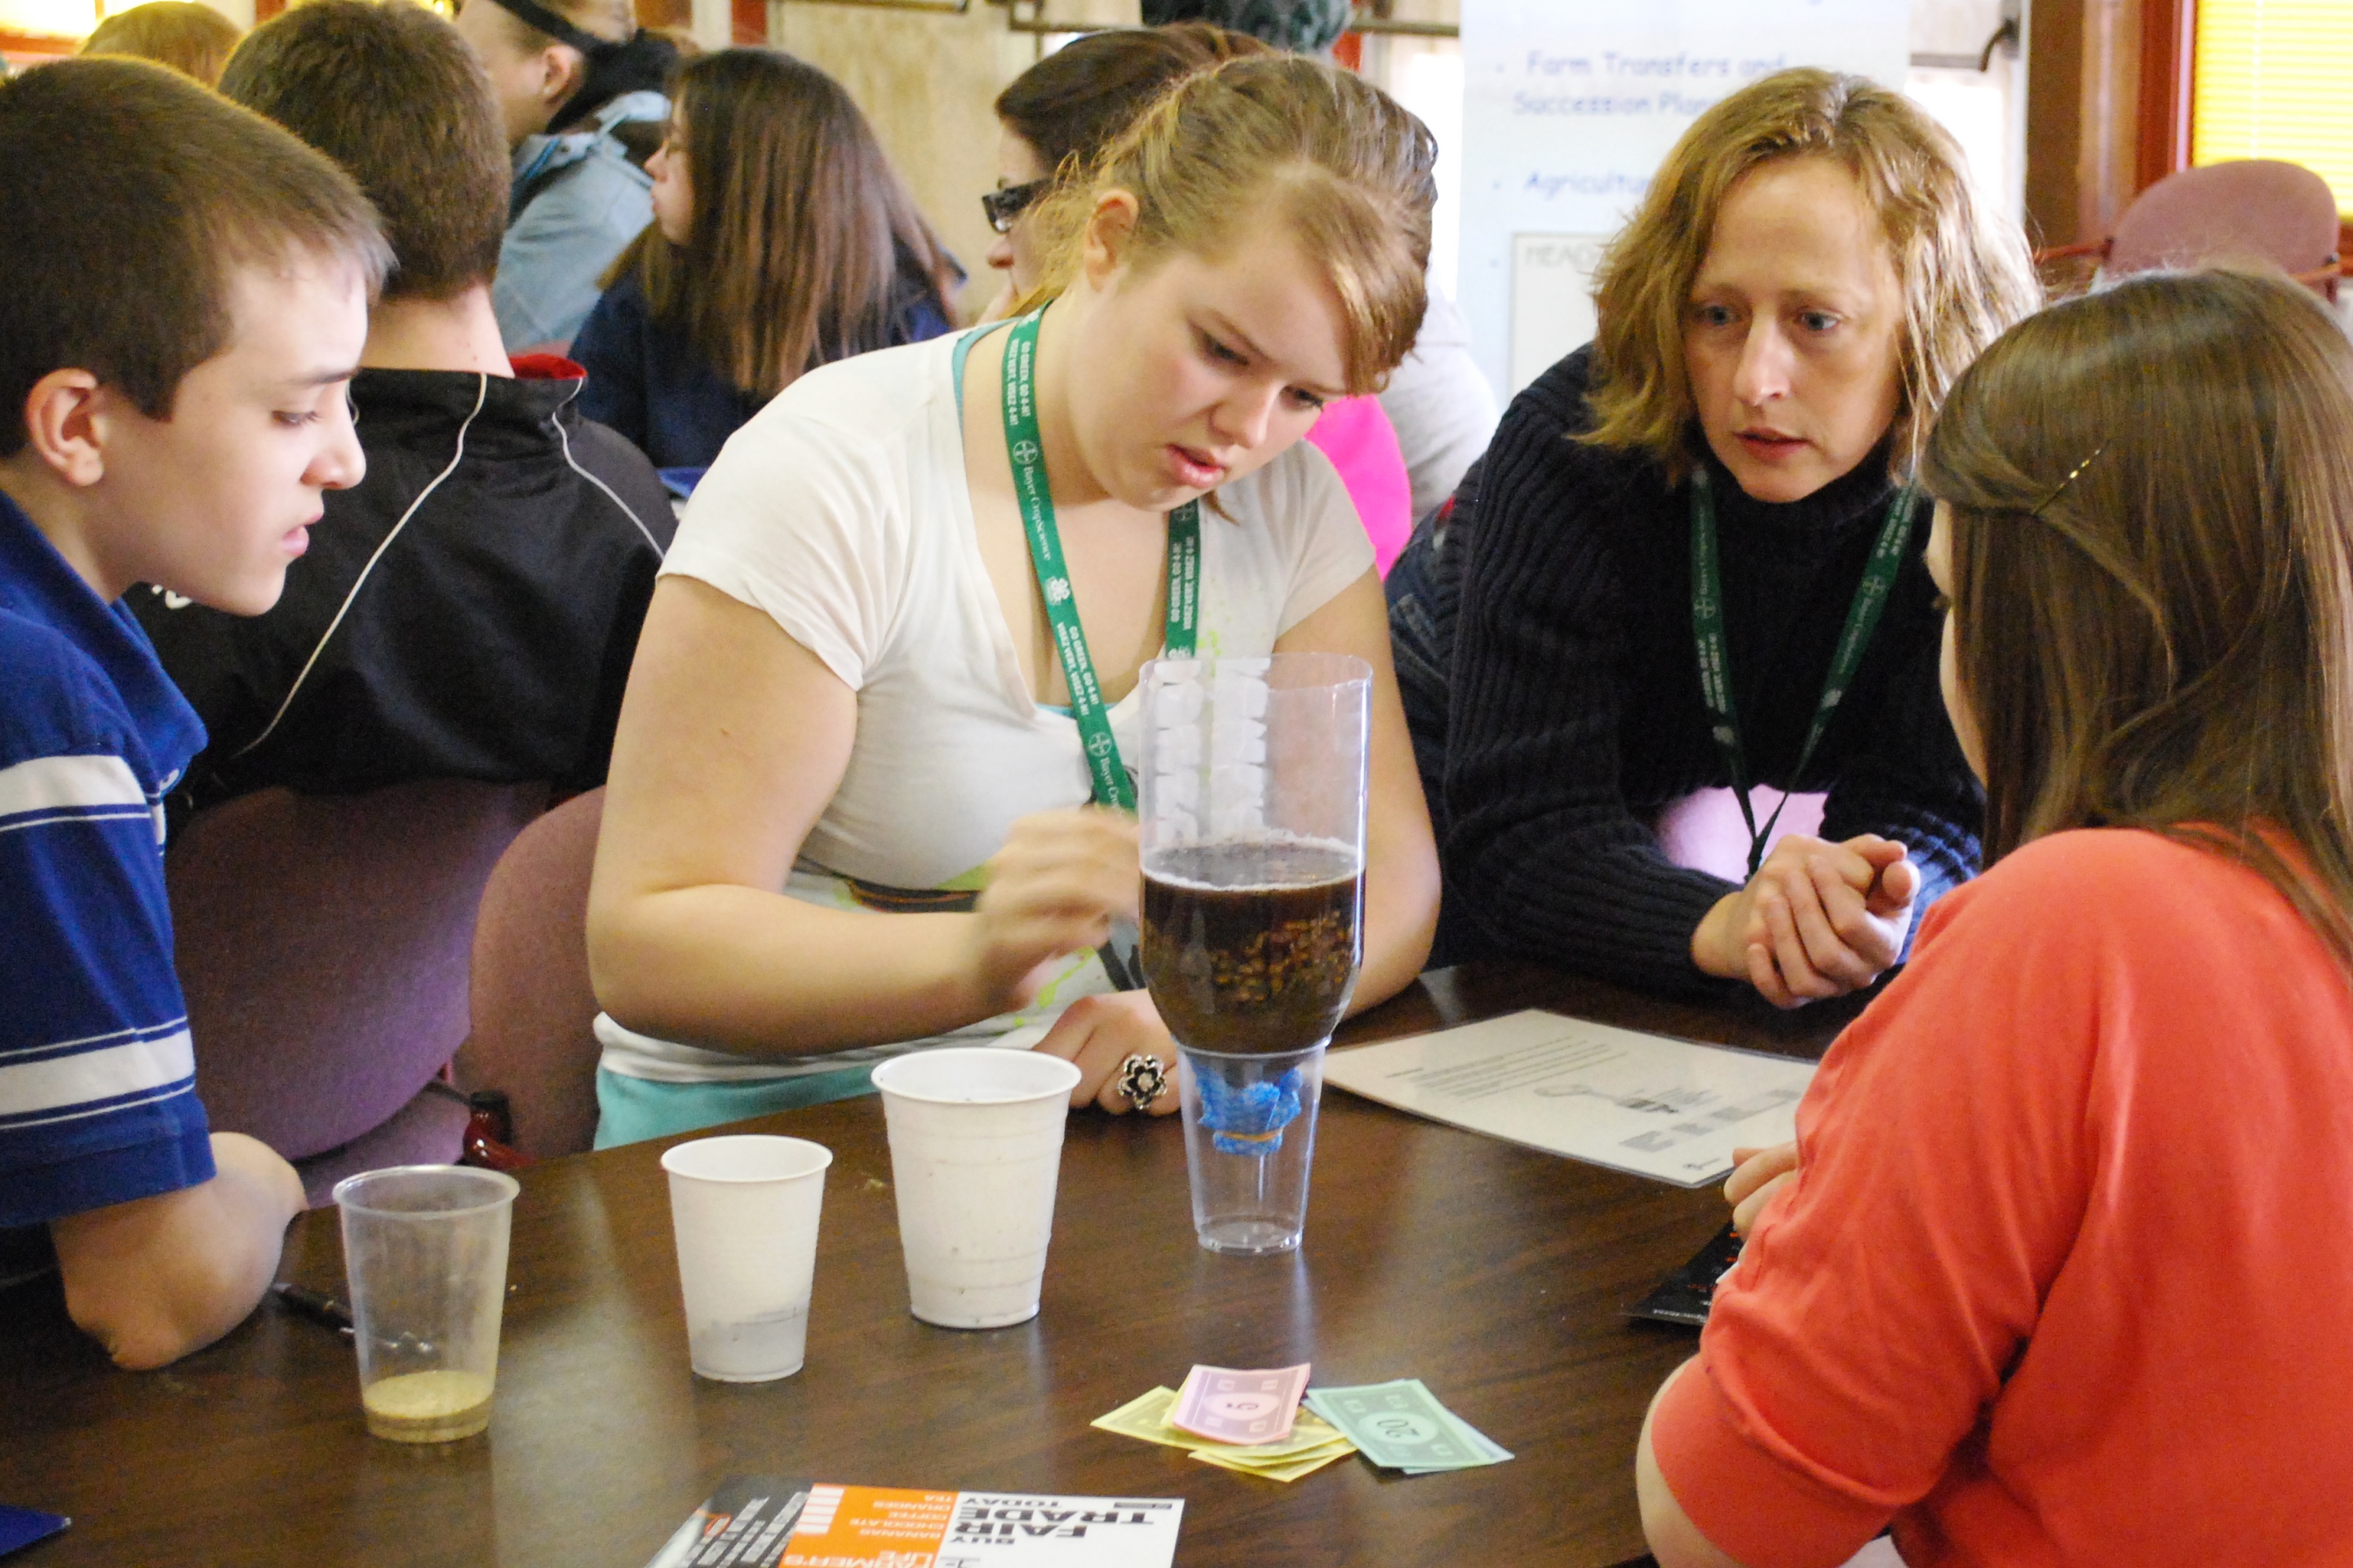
1400,1425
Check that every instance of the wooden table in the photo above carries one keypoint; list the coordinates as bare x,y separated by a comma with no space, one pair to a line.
1495,1274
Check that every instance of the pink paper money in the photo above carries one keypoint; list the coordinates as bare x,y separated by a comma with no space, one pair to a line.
1239,1407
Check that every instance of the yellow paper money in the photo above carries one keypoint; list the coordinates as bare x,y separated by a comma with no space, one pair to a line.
1145,1416
1309,1433
1288,1470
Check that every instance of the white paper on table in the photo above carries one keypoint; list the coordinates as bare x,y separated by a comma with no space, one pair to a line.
1657,1107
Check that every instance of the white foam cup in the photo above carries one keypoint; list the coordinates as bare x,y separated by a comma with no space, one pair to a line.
745,1209
975,1149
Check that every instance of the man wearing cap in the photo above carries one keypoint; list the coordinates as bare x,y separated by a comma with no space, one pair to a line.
579,86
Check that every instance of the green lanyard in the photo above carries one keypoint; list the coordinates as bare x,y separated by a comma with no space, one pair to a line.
1879,575
1111,783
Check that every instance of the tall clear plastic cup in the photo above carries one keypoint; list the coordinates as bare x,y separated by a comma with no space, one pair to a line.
975,1154
744,1210
1253,803
425,1252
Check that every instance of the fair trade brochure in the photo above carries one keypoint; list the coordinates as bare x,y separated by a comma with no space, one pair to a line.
762,1522
1661,1108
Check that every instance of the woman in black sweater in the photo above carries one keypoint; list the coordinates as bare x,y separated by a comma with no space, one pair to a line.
1807,274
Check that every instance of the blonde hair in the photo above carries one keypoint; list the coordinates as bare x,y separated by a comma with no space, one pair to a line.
1966,273
2151,495
1346,167
194,39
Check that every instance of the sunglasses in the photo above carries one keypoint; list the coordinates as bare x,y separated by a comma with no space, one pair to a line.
1003,206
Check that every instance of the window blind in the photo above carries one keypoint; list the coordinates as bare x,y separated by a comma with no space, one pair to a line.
2274,79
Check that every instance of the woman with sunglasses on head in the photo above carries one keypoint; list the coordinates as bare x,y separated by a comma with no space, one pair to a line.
782,240
850,699
1056,119
1689,561
2053,1274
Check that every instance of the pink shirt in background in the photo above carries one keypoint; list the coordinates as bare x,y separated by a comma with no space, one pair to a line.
1363,444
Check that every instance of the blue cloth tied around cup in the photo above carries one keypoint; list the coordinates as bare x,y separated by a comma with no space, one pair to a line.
1247,1118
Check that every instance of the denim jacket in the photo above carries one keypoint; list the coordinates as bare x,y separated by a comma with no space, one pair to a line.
578,200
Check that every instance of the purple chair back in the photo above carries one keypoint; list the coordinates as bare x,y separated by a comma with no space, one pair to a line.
323,945
534,1008
2255,209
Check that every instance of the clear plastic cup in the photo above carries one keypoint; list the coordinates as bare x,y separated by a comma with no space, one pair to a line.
976,1152
744,1213
1249,1141
1254,805
424,1253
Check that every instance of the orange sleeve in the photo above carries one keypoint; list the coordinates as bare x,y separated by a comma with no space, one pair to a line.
1943,1174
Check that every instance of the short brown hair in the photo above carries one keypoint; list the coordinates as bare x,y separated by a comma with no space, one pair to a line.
1342,163
193,39
1070,104
132,196
2151,502
1965,272
793,254
391,93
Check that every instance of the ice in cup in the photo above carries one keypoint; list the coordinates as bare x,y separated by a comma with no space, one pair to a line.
976,1152
425,1253
745,1211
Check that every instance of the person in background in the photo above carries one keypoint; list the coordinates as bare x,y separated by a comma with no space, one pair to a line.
194,39
782,240
579,87
1438,401
1056,119
848,701
171,369
469,609
2050,1275
1717,482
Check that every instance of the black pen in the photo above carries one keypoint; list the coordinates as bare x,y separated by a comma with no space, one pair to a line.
312,1304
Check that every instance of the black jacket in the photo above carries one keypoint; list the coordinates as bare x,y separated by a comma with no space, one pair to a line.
1552,684
467,610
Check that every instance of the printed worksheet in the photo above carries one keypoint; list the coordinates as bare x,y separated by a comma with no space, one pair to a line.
1657,1107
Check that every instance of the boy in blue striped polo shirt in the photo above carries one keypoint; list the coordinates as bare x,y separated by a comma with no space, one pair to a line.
183,293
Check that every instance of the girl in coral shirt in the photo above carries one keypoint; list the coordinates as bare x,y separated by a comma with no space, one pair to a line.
2056,1272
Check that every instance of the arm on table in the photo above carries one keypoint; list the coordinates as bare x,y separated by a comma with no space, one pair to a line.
158,1278
711,793
1543,851
1674,1539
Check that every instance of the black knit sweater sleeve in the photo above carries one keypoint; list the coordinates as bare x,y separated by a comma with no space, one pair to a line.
1543,854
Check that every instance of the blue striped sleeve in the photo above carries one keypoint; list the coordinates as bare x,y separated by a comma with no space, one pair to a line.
98,1101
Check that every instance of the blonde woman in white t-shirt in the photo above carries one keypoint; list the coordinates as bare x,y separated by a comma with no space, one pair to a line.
848,812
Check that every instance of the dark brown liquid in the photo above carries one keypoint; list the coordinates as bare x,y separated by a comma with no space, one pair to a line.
1251,949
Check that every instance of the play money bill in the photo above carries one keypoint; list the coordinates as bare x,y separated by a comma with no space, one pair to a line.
1147,1416
1401,1426
1290,1469
1244,1408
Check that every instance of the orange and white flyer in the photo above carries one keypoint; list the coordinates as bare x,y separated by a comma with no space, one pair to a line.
756,1521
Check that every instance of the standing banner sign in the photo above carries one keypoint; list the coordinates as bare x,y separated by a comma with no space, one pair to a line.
1570,105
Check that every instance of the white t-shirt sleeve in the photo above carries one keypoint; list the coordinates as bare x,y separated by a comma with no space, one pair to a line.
796,519
1323,539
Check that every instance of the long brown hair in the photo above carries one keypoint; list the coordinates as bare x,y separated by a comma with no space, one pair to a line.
1965,271
1280,137
792,257
2151,495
